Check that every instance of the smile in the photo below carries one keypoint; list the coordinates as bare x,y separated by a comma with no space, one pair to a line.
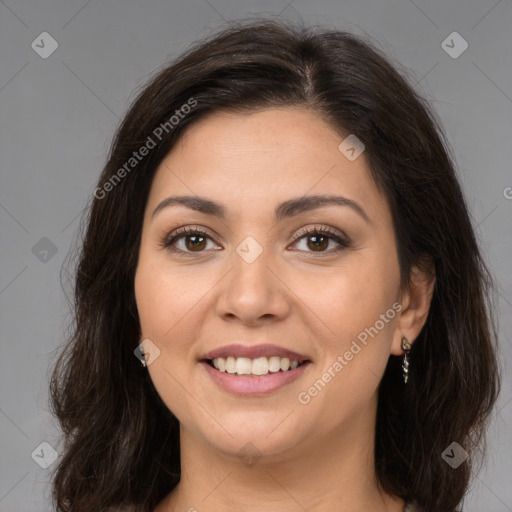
254,367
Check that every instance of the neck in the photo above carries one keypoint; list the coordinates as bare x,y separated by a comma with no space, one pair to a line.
334,473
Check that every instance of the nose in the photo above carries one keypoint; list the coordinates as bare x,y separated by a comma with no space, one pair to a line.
253,292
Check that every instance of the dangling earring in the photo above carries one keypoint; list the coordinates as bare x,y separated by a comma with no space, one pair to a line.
406,347
140,354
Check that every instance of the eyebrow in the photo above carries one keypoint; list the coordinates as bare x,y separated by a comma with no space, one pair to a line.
287,209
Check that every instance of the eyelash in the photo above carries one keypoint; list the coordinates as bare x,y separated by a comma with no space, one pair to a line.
343,241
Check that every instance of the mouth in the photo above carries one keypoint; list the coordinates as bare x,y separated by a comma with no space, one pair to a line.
251,371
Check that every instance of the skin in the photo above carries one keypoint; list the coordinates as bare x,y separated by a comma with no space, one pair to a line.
317,456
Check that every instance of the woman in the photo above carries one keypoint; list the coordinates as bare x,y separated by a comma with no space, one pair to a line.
280,302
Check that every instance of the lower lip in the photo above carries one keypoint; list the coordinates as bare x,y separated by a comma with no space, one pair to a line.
245,385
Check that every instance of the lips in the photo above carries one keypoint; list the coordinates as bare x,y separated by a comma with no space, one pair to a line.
251,386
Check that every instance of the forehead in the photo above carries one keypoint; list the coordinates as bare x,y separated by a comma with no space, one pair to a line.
263,157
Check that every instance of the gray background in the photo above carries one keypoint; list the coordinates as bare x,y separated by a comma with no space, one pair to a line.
57,116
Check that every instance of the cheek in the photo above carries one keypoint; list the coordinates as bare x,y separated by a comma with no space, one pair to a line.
164,297
352,297
355,320
162,304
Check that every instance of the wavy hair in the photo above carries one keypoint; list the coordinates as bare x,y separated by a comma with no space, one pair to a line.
121,443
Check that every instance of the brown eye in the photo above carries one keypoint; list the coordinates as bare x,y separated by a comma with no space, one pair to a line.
187,241
318,240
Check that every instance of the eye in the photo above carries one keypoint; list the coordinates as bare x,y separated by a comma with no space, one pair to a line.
317,240
192,240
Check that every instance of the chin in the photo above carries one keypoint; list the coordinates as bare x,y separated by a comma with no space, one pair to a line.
257,437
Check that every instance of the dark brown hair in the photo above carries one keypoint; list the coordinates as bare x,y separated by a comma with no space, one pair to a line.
121,441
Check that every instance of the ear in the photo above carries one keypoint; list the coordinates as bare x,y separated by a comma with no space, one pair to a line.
415,303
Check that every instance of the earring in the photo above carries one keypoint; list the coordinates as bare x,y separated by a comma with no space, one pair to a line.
406,347
141,355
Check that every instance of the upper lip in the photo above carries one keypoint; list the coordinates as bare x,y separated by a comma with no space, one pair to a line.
255,351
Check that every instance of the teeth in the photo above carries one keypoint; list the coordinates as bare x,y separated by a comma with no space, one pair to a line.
243,366
274,364
259,366
230,364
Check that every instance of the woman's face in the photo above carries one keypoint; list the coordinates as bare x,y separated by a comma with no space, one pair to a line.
258,278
